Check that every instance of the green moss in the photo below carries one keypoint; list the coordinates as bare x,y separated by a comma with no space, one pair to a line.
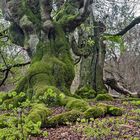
77,104
39,113
22,85
50,96
63,118
33,15
65,11
3,96
62,99
103,97
86,92
103,105
95,112
102,92
52,65
136,103
114,111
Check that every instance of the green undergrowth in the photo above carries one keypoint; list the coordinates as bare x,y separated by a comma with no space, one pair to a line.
124,127
23,116
136,103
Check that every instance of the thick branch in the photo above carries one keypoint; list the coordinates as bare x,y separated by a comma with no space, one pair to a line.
74,22
116,86
78,50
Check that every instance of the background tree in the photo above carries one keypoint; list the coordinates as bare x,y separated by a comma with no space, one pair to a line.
91,72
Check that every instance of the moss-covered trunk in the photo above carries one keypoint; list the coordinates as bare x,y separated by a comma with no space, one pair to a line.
33,28
51,65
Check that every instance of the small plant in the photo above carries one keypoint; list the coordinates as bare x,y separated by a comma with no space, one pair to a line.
49,97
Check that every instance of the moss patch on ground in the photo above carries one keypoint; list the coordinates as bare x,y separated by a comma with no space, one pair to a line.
103,97
86,92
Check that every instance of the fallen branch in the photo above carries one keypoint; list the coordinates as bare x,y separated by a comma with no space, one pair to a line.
113,84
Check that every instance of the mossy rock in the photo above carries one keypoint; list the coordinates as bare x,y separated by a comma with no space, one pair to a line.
77,104
39,113
95,112
103,97
64,118
114,111
86,92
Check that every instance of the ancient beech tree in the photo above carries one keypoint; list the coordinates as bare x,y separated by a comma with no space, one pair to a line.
91,72
44,38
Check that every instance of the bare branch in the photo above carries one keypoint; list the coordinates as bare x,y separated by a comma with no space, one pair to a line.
127,28
15,65
7,70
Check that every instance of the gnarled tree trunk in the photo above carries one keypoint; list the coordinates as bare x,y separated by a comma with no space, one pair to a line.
33,28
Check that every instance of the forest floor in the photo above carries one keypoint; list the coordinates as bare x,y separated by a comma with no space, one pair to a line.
125,127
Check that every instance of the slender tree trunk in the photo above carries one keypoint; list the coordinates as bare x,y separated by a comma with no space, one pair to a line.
91,72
